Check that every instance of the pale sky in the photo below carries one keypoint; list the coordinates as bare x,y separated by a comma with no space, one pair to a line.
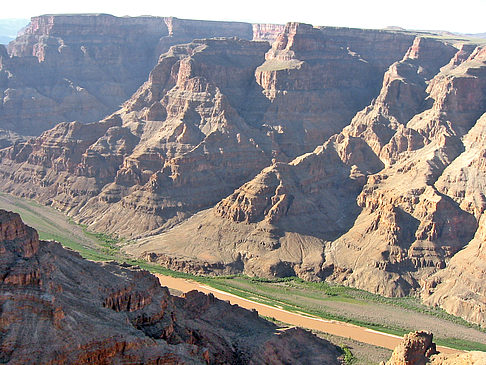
466,16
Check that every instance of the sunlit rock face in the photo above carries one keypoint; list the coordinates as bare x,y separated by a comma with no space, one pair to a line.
353,156
417,348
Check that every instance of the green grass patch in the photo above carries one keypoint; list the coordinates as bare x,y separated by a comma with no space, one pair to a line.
335,292
349,358
459,344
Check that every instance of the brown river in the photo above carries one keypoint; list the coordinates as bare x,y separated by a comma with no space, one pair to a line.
337,328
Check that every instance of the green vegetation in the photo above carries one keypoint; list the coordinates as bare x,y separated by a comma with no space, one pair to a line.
342,293
349,358
292,294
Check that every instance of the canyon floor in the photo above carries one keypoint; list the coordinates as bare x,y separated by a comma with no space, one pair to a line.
283,299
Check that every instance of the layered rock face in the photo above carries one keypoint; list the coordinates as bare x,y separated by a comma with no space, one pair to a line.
424,227
267,32
82,67
59,308
276,224
189,136
177,146
392,204
288,160
417,348
316,83
321,197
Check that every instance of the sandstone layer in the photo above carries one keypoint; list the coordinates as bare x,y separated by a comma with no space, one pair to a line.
58,308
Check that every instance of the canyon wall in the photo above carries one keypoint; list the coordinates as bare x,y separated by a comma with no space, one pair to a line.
391,204
212,114
346,155
83,67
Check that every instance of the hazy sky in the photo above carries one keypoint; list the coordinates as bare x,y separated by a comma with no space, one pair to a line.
467,16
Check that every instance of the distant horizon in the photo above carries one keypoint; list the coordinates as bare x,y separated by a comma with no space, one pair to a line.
398,27
432,15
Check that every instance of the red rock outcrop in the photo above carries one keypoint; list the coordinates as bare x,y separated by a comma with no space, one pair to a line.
417,348
58,308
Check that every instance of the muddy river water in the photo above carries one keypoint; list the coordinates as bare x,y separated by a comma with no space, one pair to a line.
337,328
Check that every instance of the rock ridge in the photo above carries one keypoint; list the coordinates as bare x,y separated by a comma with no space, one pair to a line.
96,313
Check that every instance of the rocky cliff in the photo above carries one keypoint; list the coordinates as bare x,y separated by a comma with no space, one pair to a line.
82,67
206,119
267,32
58,308
316,83
392,204
347,155
176,146
417,348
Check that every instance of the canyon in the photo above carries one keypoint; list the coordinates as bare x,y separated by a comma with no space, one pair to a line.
347,155
83,67
85,312
58,308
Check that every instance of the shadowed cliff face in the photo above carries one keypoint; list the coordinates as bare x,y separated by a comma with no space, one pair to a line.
59,308
345,155
82,67
316,83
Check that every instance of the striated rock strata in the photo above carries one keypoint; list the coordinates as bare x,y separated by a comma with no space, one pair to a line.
267,32
177,146
82,67
193,132
345,155
393,204
58,308
317,82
